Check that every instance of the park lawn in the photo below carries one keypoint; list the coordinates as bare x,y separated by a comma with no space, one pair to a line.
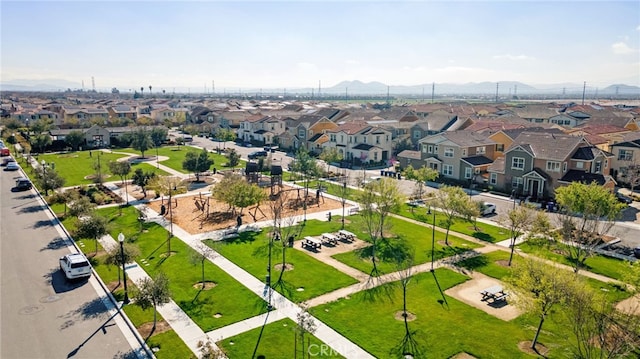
275,340
606,266
444,326
147,167
229,298
250,251
169,343
486,264
75,166
177,154
419,237
485,232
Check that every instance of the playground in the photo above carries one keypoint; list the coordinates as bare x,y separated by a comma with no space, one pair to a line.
200,213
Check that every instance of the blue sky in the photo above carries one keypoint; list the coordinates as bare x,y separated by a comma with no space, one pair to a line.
291,44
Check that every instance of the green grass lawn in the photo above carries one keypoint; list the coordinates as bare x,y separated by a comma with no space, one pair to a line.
277,341
229,298
147,167
485,232
609,267
250,251
417,236
177,155
75,166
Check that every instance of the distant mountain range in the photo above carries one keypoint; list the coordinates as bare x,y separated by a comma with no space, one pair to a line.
352,88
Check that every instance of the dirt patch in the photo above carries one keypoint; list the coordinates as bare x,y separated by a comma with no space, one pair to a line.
469,292
287,267
399,315
526,347
161,327
463,355
189,217
207,285
165,254
630,305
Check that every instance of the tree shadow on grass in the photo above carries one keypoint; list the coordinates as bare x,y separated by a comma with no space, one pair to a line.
443,302
474,263
483,236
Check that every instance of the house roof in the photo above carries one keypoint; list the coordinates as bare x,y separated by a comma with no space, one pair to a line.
631,143
549,146
477,160
497,165
585,177
363,147
414,155
315,137
601,129
463,138
351,128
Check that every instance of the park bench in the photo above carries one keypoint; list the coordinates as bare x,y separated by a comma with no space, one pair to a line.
311,243
328,238
353,210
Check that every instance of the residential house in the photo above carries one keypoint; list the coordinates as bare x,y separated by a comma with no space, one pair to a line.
537,163
79,116
359,142
458,155
612,134
263,130
626,153
307,131
94,136
122,112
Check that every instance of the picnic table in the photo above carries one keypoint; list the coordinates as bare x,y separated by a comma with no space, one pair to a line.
346,235
494,293
328,238
311,242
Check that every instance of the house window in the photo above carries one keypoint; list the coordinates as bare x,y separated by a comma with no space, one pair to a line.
332,138
579,164
448,152
430,149
564,167
480,150
516,182
387,138
301,133
341,138
435,149
493,178
500,147
350,139
364,139
598,167
467,172
375,156
517,163
464,152
447,170
625,155
416,134
377,139
553,166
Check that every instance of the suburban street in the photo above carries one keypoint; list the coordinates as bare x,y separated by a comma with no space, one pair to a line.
42,315
627,229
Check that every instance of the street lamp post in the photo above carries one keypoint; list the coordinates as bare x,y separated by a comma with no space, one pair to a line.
433,236
344,200
268,281
44,177
124,273
513,194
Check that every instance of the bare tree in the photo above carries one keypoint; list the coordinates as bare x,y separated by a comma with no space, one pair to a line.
304,324
201,253
168,186
451,201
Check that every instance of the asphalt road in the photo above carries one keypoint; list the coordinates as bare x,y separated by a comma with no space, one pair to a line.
627,229
42,315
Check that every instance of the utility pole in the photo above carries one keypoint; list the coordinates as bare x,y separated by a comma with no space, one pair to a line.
584,89
497,87
433,91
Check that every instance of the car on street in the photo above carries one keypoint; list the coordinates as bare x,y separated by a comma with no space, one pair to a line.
257,154
22,184
487,208
624,199
12,166
75,266
7,160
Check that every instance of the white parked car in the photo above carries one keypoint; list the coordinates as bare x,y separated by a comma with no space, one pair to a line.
487,209
75,266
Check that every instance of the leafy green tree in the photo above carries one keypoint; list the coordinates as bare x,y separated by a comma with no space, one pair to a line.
587,211
540,287
152,293
378,200
141,178
330,155
452,202
420,176
120,169
40,141
234,158
74,139
158,135
197,162
48,179
41,125
80,206
236,192
114,256
225,134
141,140
92,225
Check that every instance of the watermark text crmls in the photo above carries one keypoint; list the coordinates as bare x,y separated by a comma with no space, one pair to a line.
321,350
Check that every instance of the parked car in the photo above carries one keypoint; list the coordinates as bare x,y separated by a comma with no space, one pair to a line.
257,154
624,199
23,184
75,266
487,209
12,166
7,160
